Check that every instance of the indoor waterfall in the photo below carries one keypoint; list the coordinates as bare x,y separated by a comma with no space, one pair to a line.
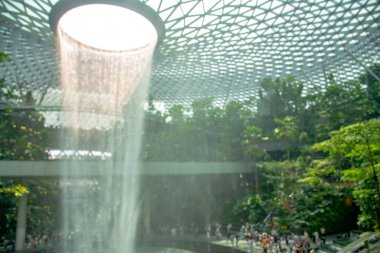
103,90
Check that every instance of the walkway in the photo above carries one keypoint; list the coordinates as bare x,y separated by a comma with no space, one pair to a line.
95,168
242,245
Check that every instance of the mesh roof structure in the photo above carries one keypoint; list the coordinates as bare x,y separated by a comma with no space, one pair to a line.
212,48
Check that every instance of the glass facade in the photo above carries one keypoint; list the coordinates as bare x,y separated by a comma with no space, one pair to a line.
219,49
302,156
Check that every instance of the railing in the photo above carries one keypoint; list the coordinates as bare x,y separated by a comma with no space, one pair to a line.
369,243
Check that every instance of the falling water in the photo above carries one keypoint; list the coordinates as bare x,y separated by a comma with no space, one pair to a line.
102,90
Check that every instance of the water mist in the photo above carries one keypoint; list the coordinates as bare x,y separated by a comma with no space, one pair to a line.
103,89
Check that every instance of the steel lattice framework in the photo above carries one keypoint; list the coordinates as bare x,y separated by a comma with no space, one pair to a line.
213,48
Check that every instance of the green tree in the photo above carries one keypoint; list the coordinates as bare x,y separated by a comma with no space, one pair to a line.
153,122
341,104
327,206
287,131
22,130
353,157
371,80
205,129
231,128
252,208
277,99
22,137
252,140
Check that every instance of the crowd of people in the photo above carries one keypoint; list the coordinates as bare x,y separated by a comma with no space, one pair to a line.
6,245
31,243
256,238
274,242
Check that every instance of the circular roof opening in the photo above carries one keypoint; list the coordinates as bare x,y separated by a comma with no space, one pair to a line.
108,27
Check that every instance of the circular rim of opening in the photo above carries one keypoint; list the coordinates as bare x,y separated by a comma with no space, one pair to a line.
95,33
63,6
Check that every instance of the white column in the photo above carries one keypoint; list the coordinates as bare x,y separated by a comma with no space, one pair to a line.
21,222
146,216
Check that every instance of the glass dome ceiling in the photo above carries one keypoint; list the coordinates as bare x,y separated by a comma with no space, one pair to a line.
212,48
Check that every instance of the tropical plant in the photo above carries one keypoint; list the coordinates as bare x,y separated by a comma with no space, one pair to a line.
22,137
353,156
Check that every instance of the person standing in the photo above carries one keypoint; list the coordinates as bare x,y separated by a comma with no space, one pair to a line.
323,235
283,245
264,243
237,238
208,231
218,233
232,237
229,229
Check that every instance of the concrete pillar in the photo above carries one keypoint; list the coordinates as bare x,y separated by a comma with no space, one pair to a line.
21,222
146,215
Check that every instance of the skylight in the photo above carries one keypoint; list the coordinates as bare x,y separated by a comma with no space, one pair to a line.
108,27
